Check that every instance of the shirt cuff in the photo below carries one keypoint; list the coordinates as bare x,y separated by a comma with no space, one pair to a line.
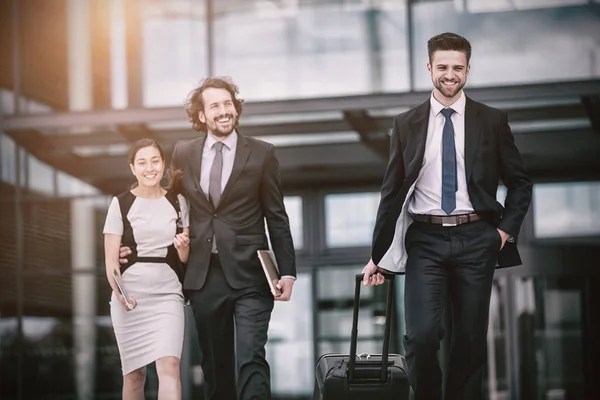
289,277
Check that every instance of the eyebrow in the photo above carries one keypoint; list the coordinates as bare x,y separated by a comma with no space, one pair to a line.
440,66
143,159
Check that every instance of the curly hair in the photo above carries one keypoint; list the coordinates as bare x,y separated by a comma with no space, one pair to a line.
195,103
448,41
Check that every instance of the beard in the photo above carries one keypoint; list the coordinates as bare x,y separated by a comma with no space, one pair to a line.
449,92
215,128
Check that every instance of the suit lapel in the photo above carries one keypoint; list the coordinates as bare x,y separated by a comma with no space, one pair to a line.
472,135
418,124
241,156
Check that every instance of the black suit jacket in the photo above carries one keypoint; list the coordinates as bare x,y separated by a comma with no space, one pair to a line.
252,194
490,155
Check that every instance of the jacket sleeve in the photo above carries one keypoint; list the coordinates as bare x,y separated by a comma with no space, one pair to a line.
392,180
514,176
276,216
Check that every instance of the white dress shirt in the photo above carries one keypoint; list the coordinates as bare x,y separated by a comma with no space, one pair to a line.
208,156
427,196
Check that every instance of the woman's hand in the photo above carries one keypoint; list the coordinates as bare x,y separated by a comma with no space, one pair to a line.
182,245
181,241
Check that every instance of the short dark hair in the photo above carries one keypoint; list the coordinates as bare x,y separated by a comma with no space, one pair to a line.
195,103
448,41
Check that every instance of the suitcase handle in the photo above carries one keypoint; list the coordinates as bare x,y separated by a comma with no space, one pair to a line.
388,325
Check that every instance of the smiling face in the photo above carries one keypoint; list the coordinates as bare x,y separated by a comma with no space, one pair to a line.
148,166
219,114
448,70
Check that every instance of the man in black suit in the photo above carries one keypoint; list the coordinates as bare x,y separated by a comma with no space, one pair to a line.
232,185
439,222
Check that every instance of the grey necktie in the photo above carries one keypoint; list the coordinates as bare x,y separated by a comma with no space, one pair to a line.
216,171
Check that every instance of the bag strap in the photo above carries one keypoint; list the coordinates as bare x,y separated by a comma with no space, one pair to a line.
388,326
126,200
173,198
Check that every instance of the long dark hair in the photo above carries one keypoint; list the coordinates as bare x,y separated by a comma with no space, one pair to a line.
173,178
195,103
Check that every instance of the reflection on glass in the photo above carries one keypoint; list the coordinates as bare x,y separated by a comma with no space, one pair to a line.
335,303
350,218
7,159
511,47
47,348
549,326
289,349
503,5
314,49
293,206
566,209
41,176
336,283
276,50
173,51
497,385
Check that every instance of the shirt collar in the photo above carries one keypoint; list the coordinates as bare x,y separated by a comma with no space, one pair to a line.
458,106
230,141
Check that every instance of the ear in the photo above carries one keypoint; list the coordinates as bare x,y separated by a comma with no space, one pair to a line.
132,169
202,117
468,69
429,67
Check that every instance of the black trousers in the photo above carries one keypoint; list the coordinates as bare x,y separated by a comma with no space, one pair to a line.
455,263
227,351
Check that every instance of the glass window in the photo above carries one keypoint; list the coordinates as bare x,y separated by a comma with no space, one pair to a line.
511,47
498,384
7,161
41,176
70,186
290,345
566,209
174,55
293,206
118,56
314,49
550,337
350,218
335,304
7,102
474,6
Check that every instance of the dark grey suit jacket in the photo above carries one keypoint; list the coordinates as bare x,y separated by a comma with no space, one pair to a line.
490,155
252,194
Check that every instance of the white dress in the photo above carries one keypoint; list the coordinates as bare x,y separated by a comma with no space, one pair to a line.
153,329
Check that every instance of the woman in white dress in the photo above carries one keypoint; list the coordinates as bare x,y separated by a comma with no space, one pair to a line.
146,219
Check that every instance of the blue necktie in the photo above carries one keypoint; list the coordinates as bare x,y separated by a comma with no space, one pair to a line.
449,181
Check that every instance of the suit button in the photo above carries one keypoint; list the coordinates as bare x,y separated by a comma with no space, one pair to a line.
209,240
215,216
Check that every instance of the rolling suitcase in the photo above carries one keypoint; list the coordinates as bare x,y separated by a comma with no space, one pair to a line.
380,376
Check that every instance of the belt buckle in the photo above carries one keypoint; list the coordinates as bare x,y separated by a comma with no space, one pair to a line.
453,218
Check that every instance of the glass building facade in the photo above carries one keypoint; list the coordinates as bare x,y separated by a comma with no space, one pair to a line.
55,328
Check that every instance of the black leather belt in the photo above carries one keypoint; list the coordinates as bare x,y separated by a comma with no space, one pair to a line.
449,220
158,260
